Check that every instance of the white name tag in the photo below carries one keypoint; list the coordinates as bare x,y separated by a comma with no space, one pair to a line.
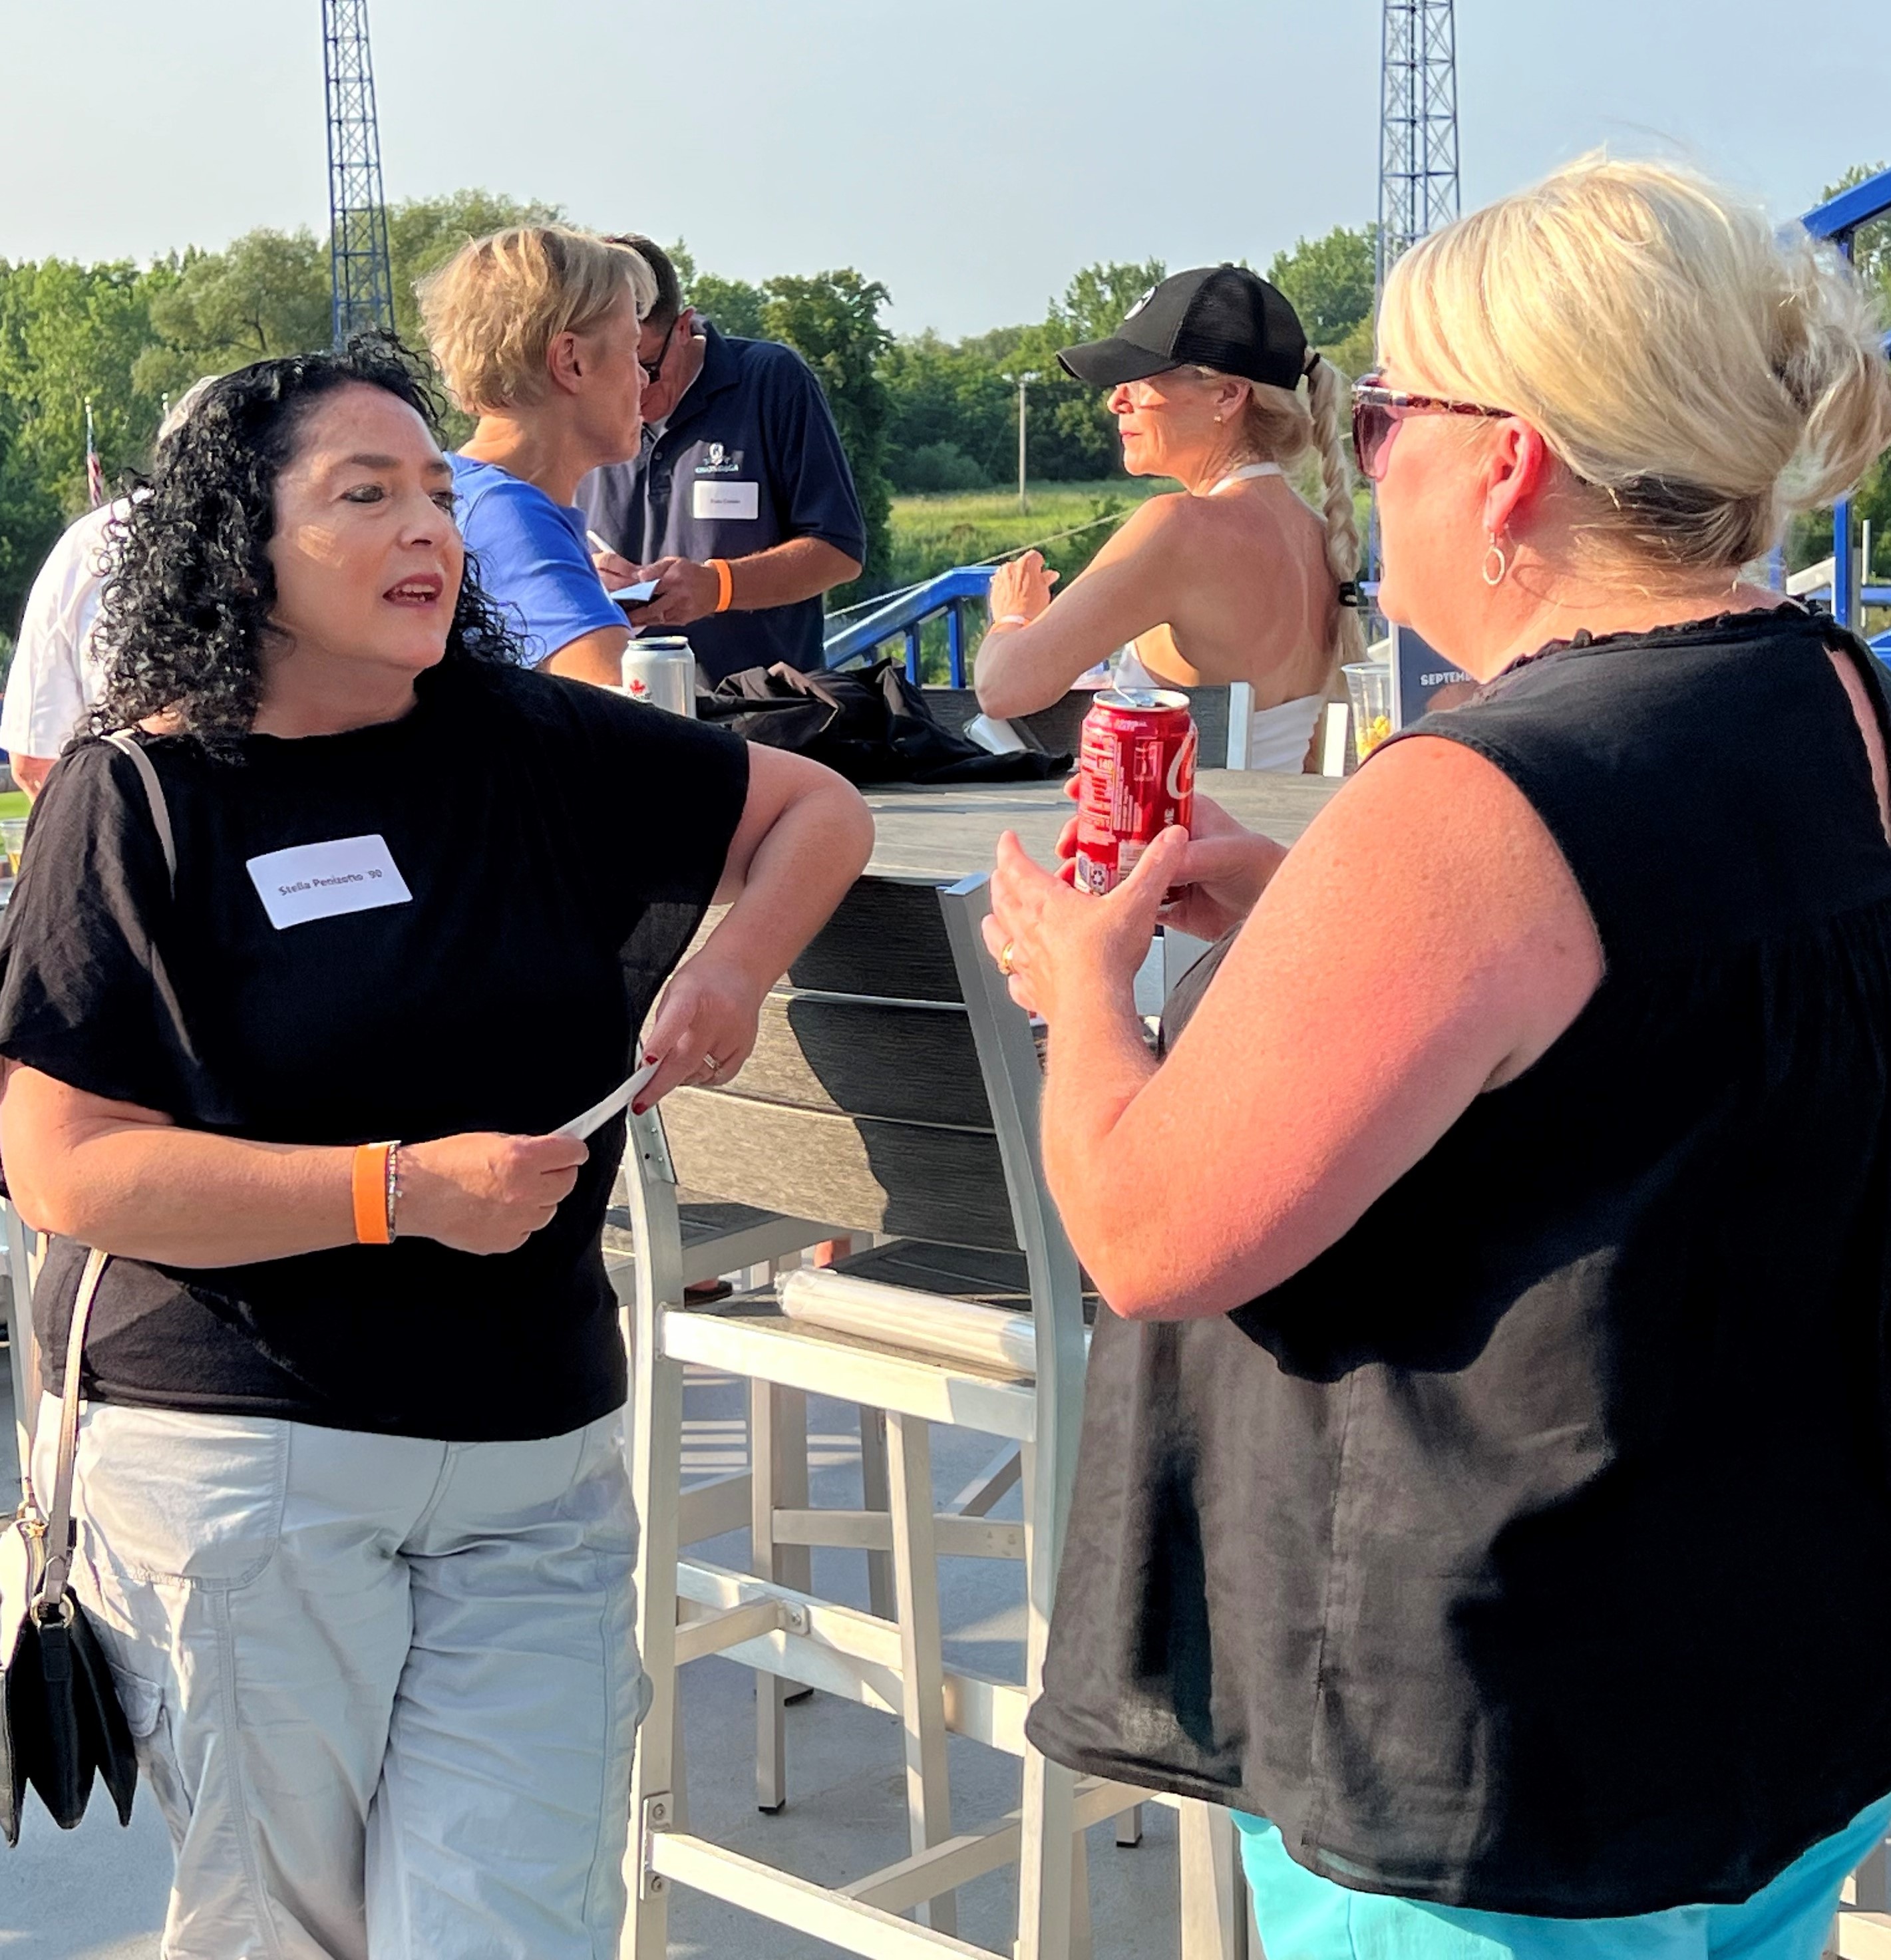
313,881
717,499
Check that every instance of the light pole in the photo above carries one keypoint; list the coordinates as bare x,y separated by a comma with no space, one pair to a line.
1024,382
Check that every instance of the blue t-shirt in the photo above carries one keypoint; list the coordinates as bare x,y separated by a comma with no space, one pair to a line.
532,557
749,458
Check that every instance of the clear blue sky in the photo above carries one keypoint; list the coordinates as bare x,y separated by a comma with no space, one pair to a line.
969,153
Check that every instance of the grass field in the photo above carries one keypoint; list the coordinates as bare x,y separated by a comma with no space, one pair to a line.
932,534
13,802
1068,521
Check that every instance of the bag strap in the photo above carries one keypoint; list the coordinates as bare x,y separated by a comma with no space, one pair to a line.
122,739
60,1537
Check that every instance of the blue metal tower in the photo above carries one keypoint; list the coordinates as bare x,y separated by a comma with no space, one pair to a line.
1417,125
359,262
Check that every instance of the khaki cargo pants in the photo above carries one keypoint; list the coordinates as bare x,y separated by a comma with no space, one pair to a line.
384,1689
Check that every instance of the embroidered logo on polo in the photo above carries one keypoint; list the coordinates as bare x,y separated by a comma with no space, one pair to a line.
315,881
718,459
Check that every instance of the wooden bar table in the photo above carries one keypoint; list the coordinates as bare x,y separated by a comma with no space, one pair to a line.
951,830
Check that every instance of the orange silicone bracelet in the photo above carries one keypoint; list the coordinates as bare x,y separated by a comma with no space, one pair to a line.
371,1194
725,583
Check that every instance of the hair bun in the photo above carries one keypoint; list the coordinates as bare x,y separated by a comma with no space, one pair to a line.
1707,372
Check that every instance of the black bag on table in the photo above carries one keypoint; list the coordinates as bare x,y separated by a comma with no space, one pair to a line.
60,1722
871,724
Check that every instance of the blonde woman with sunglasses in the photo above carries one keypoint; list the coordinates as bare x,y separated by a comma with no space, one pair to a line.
1484,1484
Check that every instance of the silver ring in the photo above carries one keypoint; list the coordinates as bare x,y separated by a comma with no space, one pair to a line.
712,1065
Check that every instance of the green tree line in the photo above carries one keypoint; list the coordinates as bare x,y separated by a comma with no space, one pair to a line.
917,413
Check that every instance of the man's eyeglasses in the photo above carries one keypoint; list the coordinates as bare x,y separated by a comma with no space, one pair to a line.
653,370
1377,411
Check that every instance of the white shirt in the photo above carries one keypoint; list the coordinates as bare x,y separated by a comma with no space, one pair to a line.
57,674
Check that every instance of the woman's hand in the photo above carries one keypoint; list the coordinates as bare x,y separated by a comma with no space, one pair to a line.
1021,587
616,572
484,1192
1055,944
1222,875
705,1026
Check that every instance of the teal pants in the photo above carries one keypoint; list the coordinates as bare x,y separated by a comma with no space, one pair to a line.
1303,1917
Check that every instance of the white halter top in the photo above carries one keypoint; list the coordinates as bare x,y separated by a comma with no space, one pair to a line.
1278,738
1247,471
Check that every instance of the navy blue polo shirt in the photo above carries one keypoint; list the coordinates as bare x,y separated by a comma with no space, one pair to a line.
749,458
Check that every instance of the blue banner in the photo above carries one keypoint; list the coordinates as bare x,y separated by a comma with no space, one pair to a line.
1422,679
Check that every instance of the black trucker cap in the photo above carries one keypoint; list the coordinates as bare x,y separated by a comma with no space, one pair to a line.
1221,316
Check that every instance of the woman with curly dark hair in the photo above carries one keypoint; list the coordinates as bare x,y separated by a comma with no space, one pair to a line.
353,1524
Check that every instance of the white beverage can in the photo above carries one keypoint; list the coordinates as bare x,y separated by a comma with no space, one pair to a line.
662,672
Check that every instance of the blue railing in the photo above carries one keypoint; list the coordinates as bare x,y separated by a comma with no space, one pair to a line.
1867,595
903,616
1838,221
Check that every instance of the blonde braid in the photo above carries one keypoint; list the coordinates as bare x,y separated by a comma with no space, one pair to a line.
1326,397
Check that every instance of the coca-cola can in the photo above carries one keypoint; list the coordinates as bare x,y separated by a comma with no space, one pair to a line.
662,672
1135,776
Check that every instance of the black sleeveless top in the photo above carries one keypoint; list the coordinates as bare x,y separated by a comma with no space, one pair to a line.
1530,1548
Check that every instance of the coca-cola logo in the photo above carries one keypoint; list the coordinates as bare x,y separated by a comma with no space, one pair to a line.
1182,770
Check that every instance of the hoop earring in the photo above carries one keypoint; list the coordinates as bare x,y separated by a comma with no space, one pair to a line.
1496,551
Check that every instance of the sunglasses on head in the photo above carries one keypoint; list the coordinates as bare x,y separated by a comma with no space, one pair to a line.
1377,411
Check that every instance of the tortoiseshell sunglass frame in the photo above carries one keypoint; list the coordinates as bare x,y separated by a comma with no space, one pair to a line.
1376,413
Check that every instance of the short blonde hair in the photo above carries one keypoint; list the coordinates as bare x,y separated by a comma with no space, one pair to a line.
495,306
1707,374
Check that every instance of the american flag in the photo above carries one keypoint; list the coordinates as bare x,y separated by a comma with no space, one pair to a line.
94,469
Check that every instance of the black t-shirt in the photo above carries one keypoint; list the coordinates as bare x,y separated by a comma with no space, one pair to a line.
560,845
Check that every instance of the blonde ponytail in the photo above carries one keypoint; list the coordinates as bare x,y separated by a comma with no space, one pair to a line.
1326,396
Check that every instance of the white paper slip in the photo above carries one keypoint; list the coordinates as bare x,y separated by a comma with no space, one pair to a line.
314,881
598,1114
634,595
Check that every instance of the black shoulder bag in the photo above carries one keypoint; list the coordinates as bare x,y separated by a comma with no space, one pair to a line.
60,1722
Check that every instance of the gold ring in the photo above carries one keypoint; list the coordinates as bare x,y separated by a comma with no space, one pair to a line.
1004,957
712,1065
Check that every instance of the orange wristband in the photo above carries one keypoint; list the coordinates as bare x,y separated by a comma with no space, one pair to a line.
725,583
371,1194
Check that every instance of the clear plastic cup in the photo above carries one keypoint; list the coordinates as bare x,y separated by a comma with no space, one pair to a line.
1369,684
13,837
